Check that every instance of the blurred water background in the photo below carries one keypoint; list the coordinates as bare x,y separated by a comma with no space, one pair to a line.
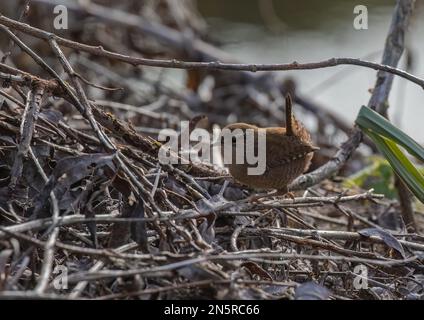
265,31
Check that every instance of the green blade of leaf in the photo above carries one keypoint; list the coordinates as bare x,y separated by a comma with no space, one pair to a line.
400,164
371,120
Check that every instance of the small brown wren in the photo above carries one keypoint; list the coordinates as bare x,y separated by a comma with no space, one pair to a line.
289,151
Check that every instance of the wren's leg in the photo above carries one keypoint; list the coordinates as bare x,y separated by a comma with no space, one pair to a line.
284,192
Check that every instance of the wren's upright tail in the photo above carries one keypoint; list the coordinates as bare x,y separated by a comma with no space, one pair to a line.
295,128
289,116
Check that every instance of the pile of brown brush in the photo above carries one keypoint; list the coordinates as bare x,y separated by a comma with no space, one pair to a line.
83,194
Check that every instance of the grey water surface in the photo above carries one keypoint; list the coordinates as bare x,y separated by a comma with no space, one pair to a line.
307,31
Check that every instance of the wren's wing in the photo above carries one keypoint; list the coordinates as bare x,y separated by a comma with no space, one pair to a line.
282,149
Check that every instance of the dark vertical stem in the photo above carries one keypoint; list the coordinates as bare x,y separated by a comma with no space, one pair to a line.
393,50
405,200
